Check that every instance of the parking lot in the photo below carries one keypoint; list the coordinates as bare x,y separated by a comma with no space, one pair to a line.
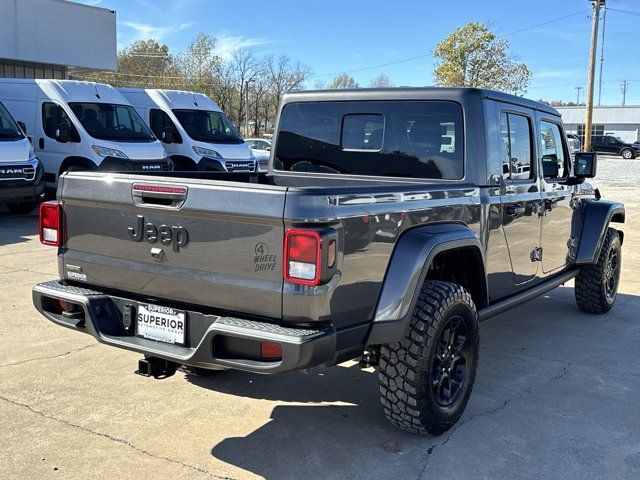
556,395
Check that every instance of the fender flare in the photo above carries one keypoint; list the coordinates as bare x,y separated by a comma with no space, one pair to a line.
408,267
74,160
185,160
596,217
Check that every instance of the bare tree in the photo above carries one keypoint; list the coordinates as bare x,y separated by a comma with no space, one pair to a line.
247,68
285,77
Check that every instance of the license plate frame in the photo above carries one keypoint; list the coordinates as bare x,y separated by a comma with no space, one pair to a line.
157,322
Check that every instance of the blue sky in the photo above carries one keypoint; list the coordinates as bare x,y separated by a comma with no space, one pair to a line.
359,37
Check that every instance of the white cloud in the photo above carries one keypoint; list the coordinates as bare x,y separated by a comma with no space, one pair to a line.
226,44
145,31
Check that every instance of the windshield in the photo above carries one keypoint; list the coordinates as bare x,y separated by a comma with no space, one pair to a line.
210,127
8,127
106,121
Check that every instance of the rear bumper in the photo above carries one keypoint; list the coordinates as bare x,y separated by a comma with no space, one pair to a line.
208,336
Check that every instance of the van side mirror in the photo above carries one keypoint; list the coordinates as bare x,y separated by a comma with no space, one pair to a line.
63,133
585,164
167,135
22,126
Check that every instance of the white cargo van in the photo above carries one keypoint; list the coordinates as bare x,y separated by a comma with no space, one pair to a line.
82,126
21,174
193,129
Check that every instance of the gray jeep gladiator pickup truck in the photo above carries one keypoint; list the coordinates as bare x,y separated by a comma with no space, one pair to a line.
389,224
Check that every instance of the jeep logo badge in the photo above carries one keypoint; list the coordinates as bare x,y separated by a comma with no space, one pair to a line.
177,237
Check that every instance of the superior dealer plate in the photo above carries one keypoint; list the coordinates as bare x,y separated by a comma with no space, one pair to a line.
162,324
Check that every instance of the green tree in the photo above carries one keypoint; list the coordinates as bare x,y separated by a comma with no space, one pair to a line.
381,81
200,65
344,81
472,56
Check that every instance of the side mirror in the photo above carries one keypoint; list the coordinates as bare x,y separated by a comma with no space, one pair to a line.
22,126
167,135
268,149
585,164
63,133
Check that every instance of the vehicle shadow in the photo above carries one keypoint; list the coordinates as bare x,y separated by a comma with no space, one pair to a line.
17,228
332,424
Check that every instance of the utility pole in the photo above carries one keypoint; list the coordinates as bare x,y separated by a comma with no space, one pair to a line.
246,107
578,99
624,92
592,68
604,25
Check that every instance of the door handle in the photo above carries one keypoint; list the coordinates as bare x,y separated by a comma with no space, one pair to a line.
41,143
515,210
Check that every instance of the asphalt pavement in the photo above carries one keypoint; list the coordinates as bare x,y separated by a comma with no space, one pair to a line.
556,395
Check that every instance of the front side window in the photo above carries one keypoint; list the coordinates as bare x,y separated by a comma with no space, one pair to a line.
53,115
107,121
209,127
516,147
159,121
9,129
554,160
407,139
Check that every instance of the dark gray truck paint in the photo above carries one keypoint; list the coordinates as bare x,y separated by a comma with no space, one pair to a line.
218,279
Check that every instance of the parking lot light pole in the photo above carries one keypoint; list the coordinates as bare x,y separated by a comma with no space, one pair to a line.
592,68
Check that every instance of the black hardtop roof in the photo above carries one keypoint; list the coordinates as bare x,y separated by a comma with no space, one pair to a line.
459,94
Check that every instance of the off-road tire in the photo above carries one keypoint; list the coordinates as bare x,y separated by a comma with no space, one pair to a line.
593,295
22,208
405,369
628,154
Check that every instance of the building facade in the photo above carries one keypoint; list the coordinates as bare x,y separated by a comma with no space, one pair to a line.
619,121
52,38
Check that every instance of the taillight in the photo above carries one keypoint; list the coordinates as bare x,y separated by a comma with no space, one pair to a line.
50,224
270,351
302,262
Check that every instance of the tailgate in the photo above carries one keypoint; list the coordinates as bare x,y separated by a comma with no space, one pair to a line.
213,243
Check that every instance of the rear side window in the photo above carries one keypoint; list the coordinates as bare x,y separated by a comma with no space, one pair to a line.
516,147
554,160
410,139
158,121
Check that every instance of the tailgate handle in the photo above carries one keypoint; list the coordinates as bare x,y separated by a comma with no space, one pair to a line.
169,196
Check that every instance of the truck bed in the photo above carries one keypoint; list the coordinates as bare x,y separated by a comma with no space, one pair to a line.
233,259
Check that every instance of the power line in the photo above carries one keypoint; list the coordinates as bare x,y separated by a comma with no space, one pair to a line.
417,57
542,24
629,12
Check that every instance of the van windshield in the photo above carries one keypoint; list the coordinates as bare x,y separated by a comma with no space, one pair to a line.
210,127
107,121
8,127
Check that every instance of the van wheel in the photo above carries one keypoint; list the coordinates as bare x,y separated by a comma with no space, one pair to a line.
628,154
426,379
22,208
596,285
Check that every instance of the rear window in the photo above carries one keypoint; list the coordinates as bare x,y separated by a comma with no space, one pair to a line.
411,139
